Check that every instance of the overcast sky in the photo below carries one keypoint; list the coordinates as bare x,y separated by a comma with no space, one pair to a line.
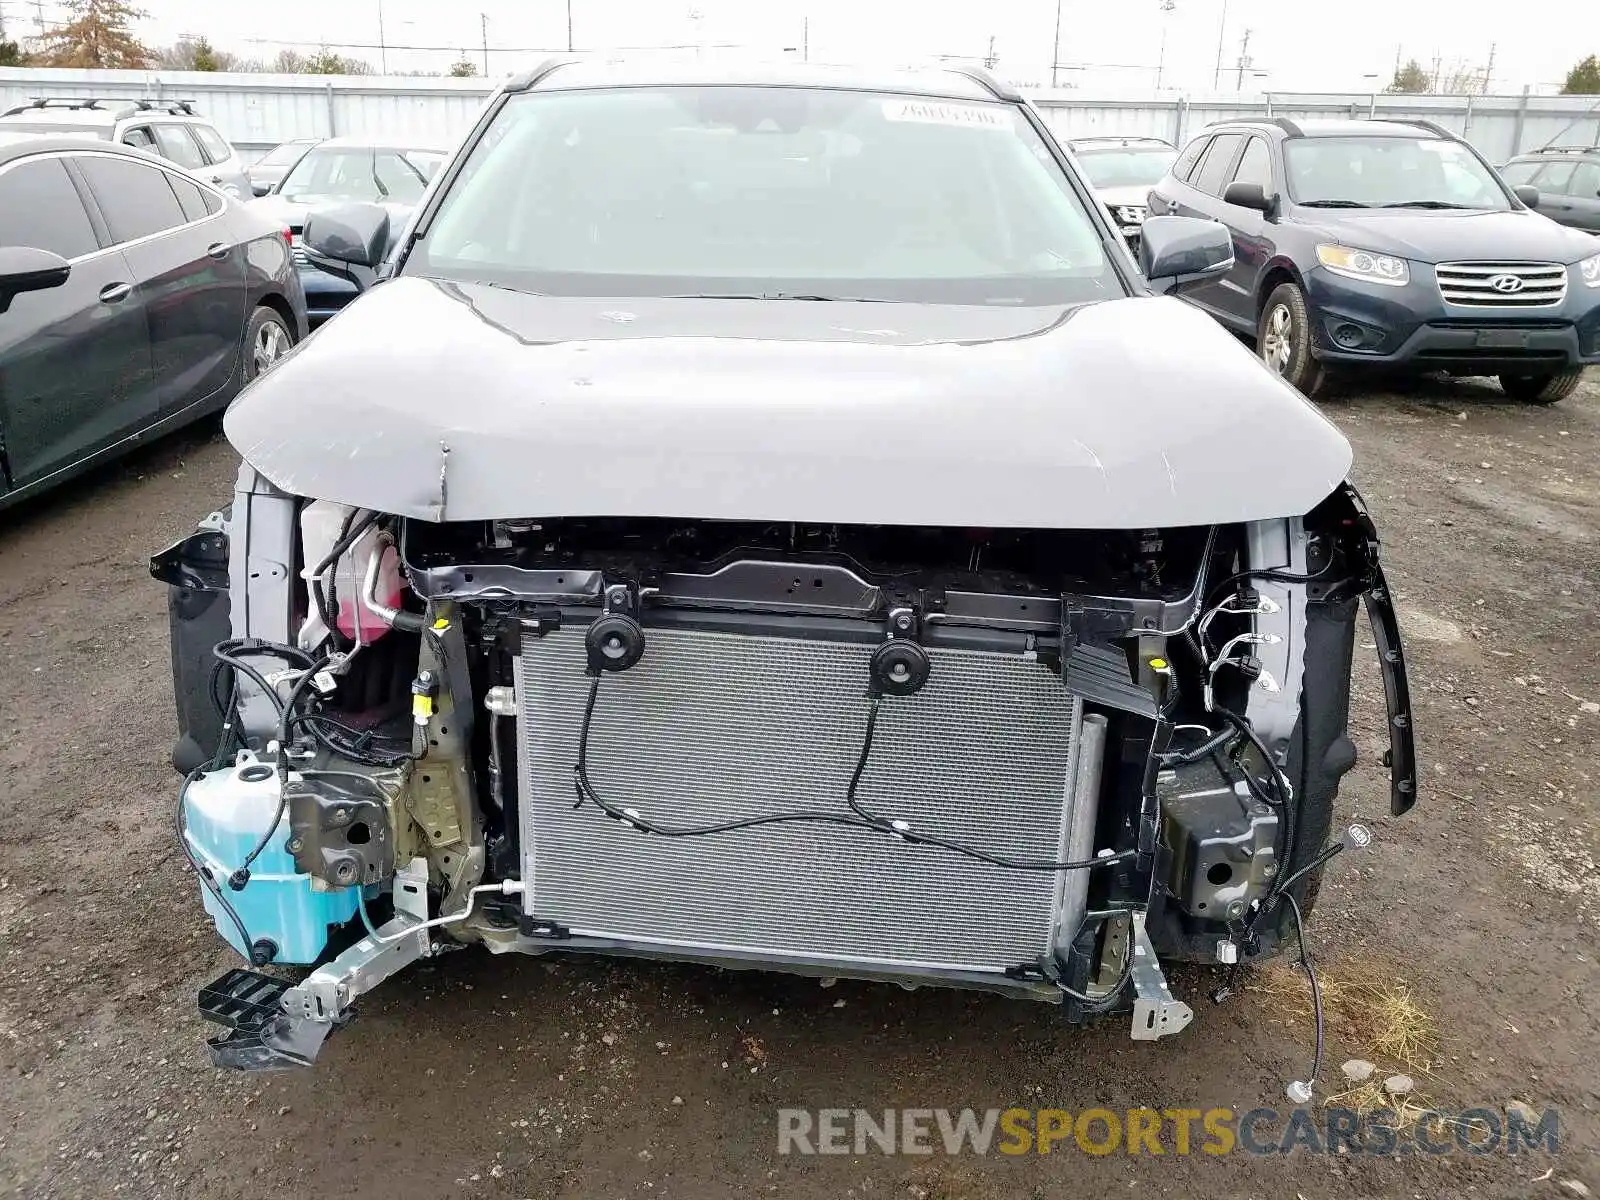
1301,45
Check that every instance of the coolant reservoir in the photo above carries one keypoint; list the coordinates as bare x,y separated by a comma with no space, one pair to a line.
321,524
225,813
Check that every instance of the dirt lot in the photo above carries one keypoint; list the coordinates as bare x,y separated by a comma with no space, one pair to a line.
482,1077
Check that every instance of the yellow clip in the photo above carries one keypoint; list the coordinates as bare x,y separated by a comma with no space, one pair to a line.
441,624
422,708
1158,664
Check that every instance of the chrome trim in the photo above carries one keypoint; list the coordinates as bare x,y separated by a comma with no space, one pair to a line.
1472,284
148,160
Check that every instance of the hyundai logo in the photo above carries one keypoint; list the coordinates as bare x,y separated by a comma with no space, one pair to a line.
1506,283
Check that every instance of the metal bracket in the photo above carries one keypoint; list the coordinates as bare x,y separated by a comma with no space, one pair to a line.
1155,1013
328,992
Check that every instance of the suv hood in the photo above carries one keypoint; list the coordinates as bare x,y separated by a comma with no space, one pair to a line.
1445,235
446,401
1136,194
293,213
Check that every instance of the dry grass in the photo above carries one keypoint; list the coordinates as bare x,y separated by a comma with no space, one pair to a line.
1369,1014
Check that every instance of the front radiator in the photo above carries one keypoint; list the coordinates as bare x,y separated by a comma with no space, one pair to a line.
712,727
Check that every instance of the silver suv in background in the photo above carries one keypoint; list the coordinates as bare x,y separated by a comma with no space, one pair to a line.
1122,170
170,129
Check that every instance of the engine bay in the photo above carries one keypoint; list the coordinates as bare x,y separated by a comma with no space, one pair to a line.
779,745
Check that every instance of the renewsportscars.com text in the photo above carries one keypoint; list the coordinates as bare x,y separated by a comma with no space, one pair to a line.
1168,1131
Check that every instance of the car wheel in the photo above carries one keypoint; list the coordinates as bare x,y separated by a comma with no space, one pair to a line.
266,340
1283,339
1541,388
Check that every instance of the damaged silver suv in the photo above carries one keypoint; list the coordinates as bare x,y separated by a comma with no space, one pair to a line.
767,520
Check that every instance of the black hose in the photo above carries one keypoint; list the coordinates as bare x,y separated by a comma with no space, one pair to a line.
1316,990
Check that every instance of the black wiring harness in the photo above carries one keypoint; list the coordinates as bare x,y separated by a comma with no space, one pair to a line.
858,818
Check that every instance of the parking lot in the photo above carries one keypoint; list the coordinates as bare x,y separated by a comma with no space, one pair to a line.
520,1078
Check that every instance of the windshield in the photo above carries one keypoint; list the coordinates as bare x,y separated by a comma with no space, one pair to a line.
360,174
1389,172
1126,167
767,192
282,156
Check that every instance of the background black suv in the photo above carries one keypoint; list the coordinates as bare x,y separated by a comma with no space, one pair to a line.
1387,244
1568,179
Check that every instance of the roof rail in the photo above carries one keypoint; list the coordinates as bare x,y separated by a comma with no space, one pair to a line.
988,81
1422,123
186,107
1292,128
74,102
1574,149
528,79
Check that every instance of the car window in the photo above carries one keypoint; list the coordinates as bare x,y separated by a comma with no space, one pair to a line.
175,144
1518,173
1390,172
136,199
1126,167
42,209
768,192
284,155
1255,166
1585,182
1554,177
216,149
140,138
400,180
1190,156
1214,166
191,196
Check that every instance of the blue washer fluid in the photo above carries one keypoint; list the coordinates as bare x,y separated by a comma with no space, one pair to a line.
225,812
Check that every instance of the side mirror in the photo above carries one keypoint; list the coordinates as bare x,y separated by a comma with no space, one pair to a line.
27,269
260,189
1175,252
348,241
1528,194
1249,195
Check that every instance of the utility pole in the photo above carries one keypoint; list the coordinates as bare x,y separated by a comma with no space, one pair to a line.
38,15
1244,60
483,23
1222,31
1488,71
383,48
805,38
989,59
1055,50
1161,59
569,26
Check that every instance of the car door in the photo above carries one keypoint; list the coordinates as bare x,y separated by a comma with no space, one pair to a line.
1164,196
1582,197
1202,197
192,274
1253,241
223,167
1552,180
75,371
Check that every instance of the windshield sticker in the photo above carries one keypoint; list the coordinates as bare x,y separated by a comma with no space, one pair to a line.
933,112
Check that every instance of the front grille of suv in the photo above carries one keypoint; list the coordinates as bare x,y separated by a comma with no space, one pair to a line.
1502,284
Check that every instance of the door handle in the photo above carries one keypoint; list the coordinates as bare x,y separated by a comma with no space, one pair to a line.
114,292
218,249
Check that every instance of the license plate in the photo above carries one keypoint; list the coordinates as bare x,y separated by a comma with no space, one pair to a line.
1502,339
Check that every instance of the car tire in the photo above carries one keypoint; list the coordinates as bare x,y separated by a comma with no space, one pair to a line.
1283,339
266,339
1542,388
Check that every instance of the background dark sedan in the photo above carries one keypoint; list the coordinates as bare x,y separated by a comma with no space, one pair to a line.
343,171
133,299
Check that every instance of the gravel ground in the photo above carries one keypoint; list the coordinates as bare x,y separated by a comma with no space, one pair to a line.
484,1077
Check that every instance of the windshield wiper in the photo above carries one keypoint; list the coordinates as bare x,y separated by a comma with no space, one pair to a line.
1333,204
778,296
1428,204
